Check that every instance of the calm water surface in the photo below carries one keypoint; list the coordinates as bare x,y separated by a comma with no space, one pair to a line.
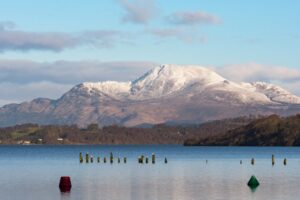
33,172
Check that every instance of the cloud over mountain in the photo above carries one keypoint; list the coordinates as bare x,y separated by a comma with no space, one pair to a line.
16,75
166,93
177,33
4,25
192,18
138,11
249,72
17,40
22,80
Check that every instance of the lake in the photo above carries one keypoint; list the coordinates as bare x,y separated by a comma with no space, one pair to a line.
33,172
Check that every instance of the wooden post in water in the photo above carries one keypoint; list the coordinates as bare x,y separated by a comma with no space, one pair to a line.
80,158
273,159
252,161
125,159
111,157
92,158
104,159
284,161
147,160
166,161
141,159
153,158
87,158
119,160
98,159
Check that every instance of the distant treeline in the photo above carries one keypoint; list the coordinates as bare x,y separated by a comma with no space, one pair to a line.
243,131
268,131
157,134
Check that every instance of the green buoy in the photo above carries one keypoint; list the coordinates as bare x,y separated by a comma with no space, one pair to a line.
253,182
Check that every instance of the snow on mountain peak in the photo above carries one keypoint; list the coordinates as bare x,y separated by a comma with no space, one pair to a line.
166,79
180,73
276,93
110,88
189,80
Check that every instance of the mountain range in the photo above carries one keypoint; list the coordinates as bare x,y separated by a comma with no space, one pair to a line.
165,94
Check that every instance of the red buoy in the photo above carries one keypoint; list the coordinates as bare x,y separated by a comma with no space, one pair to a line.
65,184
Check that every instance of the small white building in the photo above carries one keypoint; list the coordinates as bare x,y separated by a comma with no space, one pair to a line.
26,142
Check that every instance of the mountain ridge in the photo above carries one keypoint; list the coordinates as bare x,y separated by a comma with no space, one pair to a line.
167,93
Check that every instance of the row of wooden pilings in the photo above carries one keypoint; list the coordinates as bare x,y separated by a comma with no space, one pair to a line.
144,159
273,161
90,158
141,159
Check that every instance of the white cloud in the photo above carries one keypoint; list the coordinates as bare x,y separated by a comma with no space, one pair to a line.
184,35
192,18
16,93
22,80
138,11
70,72
293,87
286,77
16,40
5,25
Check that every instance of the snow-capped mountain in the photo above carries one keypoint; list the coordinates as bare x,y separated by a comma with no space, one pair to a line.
167,93
167,80
170,79
276,93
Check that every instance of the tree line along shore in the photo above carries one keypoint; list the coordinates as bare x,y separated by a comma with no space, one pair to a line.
243,131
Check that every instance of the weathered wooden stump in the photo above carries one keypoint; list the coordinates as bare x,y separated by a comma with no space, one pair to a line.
80,158
111,158
153,158
87,158
273,160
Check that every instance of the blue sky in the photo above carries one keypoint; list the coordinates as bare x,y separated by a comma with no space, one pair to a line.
134,35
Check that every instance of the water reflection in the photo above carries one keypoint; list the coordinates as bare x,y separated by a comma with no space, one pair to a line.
65,195
186,176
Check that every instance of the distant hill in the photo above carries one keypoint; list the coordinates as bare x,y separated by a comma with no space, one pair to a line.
156,134
268,131
170,94
243,131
